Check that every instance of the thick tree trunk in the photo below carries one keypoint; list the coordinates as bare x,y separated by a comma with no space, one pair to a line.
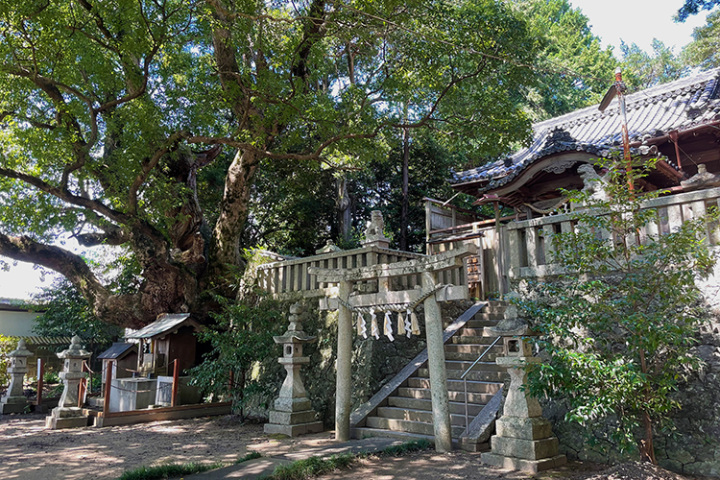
344,211
225,249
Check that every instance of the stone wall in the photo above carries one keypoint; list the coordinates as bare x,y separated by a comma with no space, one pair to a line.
693,448
375,362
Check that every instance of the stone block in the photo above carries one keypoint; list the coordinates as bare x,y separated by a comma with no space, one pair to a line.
525,449
524,465
534,428
284,404
294,430
292,418
66,417
13,405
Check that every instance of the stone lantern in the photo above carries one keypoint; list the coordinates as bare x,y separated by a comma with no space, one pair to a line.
14,401
293,414
523,439
67,414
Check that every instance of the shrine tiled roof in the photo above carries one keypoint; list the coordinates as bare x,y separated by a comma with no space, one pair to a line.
651,113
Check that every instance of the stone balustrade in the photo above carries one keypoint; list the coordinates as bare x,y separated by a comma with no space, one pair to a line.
285,278
529,251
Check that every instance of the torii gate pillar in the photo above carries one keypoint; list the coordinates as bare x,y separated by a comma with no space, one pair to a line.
343,384
436,365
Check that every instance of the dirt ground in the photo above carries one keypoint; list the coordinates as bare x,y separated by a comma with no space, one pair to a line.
29,452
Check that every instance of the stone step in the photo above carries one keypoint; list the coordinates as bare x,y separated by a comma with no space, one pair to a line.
413,415
493,309
464,365
474,386
487,317
409,426
472,332
456,356
475,374
480,325
364,432
472,339
476,398
472,348
457,408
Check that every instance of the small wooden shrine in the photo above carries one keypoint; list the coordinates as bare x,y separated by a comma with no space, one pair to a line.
171,337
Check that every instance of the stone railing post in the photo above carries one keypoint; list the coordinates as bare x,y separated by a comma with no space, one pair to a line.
14,400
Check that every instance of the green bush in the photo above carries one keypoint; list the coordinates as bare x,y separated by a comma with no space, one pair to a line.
619,325
7,345
241,339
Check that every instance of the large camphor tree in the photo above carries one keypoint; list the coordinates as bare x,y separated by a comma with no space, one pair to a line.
109,109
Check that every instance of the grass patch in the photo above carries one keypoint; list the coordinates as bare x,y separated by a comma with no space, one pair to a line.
249,456
315,466
312,467
407,447
167,471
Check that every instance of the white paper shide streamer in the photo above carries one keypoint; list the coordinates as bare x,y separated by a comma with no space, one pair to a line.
361,326
374,330
387,326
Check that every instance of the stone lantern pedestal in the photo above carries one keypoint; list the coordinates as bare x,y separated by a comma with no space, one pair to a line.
293,414
14,400
67,414
523,439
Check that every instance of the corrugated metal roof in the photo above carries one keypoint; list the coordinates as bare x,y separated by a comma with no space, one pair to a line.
654,112
40,340
164,324
117,350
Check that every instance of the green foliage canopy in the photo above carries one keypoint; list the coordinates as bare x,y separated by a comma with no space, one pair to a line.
110,109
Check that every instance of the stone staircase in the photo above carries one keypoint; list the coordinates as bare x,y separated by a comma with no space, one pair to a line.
406,411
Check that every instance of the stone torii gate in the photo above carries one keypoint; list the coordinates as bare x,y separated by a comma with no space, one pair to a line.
430,294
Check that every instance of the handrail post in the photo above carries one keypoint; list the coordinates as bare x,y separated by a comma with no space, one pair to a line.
176,374
40,380
82,386
108,381
467,421
463,377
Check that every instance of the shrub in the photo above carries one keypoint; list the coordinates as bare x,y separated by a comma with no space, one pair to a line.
619,324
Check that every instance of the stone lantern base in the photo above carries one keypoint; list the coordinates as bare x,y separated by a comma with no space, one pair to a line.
66,417
293,416
523,439
293,424
13,405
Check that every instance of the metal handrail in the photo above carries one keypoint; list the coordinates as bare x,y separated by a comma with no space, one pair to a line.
462,377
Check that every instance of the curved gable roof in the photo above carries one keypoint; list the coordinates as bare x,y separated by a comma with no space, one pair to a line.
674,106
